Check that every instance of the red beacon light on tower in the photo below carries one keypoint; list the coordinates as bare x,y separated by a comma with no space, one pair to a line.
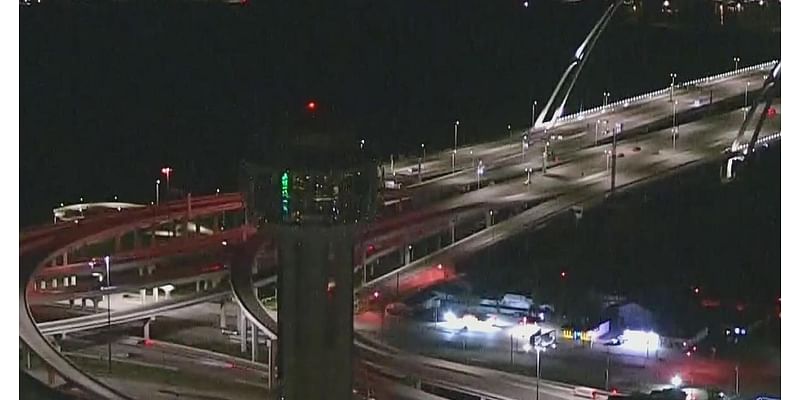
311,105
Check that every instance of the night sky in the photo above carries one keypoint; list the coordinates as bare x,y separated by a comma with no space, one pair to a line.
110,93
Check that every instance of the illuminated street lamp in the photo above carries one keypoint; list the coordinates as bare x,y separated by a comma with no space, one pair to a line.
479,172
455,135
524,146
674,123
676,381
509,130
108,306
455,143
158,182
167,171
672,85
533,115
736,63
746,90
605,98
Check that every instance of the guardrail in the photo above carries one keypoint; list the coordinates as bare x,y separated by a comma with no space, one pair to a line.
761,140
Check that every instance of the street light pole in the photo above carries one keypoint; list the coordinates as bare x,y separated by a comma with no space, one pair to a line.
455,135
512,350
538,371
605,99
736,63
672,85
524,146
533,115
674,123
423,152
167,171
509,131
596,131
544,156
746,90
480,172
158,182
614,157
108,308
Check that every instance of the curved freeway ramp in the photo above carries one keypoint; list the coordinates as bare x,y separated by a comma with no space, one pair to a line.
36,252
242,288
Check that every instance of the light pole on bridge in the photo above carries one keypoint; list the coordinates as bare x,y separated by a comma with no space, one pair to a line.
455,143
674,123
746,90
108,308
672,75
605,99
158,182
524,145
736,63
533,115
167,171
480,172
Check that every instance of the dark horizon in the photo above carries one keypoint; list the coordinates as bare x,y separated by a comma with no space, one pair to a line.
111,93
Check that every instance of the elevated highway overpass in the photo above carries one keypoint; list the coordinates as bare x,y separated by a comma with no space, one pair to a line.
562,185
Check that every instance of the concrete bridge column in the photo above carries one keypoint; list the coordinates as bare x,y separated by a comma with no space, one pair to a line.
253,342
146,333
242,331
27,358
407,254
117,243
155,295
143,296
150,269
197,286
167,289
452,231
223,322
95,302
137,240
65,258
71,303
83,303
270,361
